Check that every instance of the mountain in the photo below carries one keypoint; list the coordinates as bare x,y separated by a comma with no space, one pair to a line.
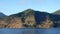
31,19
57,12
2,15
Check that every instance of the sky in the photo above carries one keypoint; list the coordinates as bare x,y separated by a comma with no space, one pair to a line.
9,7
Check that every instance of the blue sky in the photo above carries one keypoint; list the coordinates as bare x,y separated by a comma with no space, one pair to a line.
9,7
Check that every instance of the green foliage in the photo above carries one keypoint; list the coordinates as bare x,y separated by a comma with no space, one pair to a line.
6,18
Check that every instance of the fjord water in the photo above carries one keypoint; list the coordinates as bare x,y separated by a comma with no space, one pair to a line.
30,31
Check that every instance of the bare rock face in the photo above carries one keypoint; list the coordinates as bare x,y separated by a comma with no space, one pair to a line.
29,22
2,24
11,23
15,23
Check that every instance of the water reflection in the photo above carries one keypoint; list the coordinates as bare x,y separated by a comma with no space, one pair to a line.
30,31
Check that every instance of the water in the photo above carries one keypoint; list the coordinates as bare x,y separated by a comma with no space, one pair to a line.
30,31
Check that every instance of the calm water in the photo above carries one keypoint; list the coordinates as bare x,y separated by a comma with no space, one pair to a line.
30,31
